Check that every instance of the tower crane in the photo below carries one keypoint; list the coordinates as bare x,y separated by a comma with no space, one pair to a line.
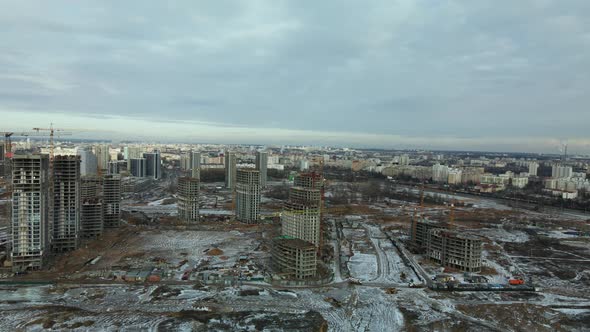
452,215
51,131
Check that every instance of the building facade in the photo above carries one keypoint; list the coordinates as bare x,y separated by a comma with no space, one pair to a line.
230,170
261,166
559,171
137,167
153,164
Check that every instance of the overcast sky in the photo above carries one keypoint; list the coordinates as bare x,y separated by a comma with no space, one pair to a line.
486,74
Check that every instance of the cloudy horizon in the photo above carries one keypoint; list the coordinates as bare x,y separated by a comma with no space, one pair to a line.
448,75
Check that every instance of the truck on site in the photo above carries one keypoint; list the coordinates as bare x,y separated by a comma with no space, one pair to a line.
354,281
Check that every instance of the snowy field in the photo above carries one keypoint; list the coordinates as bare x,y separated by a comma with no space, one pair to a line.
193,246
363,266
502,235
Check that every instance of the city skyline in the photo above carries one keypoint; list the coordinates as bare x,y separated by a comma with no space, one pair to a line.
424,75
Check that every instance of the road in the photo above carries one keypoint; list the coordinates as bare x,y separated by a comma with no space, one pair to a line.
336,244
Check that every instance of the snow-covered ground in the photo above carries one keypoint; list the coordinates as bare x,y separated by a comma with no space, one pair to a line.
194,245
363,266
503,235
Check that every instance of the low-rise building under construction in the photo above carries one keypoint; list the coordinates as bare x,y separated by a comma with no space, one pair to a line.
455,249
294,258
450,248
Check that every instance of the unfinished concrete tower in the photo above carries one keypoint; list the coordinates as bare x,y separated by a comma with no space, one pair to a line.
188,199
247,195
66,203
301,215
31,231
111,188
91,219
230,170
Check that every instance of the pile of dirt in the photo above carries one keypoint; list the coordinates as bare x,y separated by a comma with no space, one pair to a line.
215,252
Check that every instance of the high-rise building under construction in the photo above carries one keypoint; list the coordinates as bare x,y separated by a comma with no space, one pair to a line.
111,186
247,195
66,203
91,212
30,226
301,215
188,199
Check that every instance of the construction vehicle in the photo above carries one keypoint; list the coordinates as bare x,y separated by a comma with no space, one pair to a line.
516,281
354,281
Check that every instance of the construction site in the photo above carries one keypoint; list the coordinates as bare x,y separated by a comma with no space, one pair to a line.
308,263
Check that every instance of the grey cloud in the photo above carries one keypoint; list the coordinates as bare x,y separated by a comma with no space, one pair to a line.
420,68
